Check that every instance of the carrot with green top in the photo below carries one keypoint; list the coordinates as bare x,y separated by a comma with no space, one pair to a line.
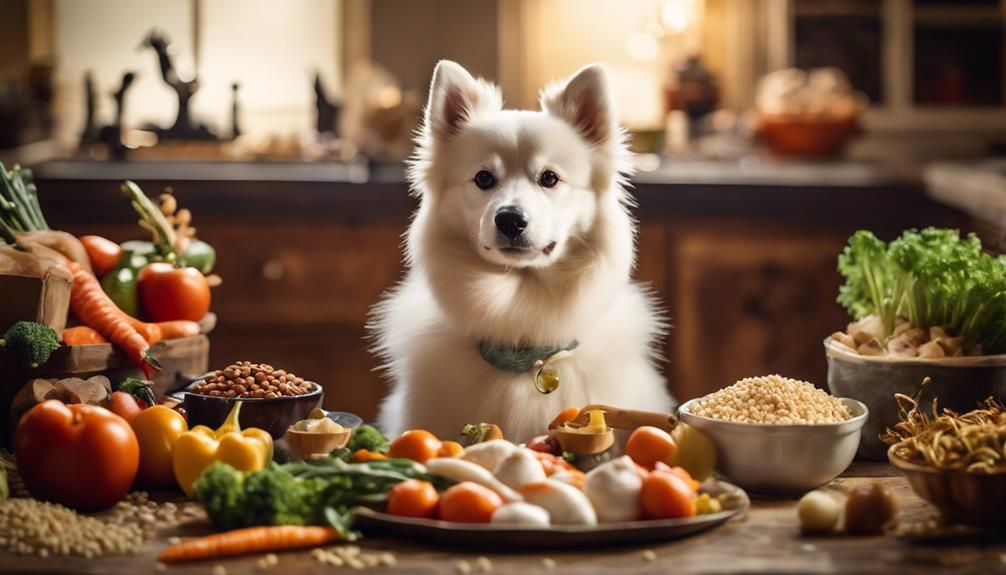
94,308
249,540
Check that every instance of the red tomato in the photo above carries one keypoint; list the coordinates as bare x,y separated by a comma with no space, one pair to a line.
413,498
666,496
82,456
168,293
648,445
103,253
124,405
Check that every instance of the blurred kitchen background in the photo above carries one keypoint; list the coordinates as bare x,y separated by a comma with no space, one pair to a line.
767,131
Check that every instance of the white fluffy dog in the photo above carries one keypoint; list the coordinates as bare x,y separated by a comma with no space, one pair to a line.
521,248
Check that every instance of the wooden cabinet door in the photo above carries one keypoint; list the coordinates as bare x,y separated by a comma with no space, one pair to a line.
750,301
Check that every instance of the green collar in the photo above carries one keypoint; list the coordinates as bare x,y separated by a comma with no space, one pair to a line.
520,359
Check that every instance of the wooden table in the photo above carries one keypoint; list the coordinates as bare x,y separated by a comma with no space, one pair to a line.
765,539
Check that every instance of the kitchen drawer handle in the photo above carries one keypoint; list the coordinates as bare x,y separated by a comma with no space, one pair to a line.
273,269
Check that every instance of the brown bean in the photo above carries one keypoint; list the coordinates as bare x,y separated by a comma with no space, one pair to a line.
271,395
260,376
240,388
215,393
230,393
258,393
245,371
273,388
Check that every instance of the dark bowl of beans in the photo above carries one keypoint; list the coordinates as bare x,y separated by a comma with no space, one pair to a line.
272,399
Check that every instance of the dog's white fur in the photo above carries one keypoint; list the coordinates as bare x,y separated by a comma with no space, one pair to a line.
569,282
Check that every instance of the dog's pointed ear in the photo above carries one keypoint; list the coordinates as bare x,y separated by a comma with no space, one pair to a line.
455,98
584,101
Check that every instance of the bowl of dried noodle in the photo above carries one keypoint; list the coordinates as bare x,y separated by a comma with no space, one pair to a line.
957,462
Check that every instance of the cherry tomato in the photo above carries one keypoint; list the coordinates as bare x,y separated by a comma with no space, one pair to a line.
565,416
156,430
103,253
168,293
647,445
450,449
413,498
666,496
415,444
469,502
124,405
680,472
82,456
545,444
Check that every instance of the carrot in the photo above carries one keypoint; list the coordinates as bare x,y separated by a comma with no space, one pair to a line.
155,332
364,455
178,328
95,309
248,540
82,335
151,332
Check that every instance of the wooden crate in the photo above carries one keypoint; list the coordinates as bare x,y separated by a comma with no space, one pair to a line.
43,300
181,359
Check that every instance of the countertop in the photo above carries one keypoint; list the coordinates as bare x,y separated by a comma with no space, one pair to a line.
828,193
764,540
752,171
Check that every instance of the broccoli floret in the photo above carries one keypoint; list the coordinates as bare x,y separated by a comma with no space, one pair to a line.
273,496
369,438
31,342
221,491
363,437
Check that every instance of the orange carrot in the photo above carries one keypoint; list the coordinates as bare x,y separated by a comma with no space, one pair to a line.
95,309
178,328
155,332
364,455
248,540
82,335
151,332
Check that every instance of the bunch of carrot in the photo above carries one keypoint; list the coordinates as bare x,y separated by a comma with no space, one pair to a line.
104,321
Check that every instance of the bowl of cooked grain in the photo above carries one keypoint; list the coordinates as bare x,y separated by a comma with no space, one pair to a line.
778,434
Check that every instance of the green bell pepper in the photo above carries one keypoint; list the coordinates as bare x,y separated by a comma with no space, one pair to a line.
120,283
199,254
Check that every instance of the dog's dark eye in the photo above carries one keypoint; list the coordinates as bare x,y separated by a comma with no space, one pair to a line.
485,180
548,179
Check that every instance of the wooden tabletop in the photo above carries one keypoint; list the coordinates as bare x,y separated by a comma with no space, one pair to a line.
765,539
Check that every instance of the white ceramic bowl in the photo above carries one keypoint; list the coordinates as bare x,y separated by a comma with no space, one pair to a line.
783,458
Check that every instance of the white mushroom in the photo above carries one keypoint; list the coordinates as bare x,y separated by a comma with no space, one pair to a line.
520,468
460,470
488,454
613,488
520,513
566,505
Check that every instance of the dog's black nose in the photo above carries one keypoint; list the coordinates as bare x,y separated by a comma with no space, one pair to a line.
511,221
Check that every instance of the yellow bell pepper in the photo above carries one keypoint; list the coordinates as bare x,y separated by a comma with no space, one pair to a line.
198,448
